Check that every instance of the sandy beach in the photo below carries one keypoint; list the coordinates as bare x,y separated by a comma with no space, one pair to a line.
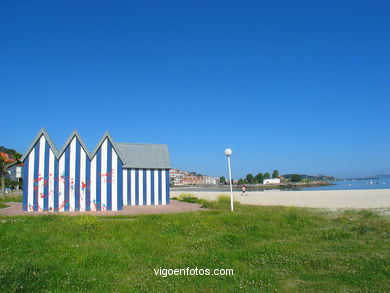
332,199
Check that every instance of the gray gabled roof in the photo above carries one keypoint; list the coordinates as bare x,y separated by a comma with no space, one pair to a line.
133,155
37,137
108,136
144,156
69,140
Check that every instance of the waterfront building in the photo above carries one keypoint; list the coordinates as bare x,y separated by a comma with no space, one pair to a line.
271,181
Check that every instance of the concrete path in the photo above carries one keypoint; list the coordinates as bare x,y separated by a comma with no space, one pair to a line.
15,209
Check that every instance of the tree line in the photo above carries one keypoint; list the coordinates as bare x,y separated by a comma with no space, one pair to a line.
259,178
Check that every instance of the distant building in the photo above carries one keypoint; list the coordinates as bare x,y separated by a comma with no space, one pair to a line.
192,180
7,157
183,178
176,177
271,181
14,173
207,180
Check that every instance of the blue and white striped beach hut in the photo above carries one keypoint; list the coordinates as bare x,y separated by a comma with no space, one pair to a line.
112,176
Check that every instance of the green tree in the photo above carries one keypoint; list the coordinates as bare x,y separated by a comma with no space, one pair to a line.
260,177
275,174
241,181
222,180
250,179
296,178
4,166
266,175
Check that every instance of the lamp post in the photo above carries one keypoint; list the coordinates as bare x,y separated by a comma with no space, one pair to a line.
228,153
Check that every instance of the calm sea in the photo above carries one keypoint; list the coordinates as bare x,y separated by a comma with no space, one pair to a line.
383,183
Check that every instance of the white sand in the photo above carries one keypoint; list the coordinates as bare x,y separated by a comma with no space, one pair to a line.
333,199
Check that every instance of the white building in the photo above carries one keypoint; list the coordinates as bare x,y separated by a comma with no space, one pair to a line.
271,181
207,180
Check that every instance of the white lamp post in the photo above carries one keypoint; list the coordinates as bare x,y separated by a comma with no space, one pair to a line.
228,153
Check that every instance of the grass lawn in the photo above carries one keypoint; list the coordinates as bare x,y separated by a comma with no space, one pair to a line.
9,198
269,249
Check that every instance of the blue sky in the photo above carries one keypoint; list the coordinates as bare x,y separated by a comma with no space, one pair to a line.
298,86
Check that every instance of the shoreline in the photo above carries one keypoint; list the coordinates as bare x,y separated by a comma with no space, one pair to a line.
253,187
329,199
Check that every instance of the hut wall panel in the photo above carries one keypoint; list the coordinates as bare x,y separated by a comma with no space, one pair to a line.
125,188
145,186
92,184
52,160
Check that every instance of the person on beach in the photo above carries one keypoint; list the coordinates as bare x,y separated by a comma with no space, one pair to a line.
243,189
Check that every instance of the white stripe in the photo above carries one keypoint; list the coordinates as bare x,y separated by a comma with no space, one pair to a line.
103,176
93,184
83,192
51,181
148,189
114,182
163,187
125,203
61,183
155,187
72,175
140,188
132,187
30,194
41,172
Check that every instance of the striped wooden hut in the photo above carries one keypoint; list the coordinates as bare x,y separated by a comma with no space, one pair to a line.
112,176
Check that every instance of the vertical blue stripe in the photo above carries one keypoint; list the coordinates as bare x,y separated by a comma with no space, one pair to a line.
25,183
152,186
136,187
36,177
109,176
56,178
77,177
144,186
87,191
67,179
98,179
159,187
120,185
129,187
46,178
167,185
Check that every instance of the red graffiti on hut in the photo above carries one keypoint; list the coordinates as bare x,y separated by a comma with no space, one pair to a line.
40,182
108,177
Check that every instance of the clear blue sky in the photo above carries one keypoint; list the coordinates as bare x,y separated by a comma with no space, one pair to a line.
299,86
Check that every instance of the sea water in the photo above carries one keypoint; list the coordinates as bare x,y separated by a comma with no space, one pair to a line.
382,183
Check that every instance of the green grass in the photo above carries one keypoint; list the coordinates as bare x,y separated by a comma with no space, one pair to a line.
10,198
269,248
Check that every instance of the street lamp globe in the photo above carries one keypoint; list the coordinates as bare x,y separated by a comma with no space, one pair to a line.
228,152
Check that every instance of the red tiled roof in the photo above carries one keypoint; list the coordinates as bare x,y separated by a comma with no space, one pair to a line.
7,157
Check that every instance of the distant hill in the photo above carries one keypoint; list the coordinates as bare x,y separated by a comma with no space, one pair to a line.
312,177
